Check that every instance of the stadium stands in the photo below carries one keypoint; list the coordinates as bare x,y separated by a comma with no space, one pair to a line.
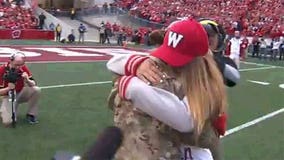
252,17
17,17
128,31
18,21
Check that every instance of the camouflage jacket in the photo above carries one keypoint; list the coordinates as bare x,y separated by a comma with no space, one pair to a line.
145,138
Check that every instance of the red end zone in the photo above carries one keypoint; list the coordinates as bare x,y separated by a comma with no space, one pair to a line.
65,54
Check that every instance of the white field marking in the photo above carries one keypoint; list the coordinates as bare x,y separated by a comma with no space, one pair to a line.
281,86
112,51
51,62
257,64
260,64
259,82
253,122
76,157
259,68
75,84
95,83
75,61
67,53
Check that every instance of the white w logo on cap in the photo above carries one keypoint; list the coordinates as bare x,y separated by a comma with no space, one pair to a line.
174,39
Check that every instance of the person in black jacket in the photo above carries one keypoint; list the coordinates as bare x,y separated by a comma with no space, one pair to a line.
281,49
41,18
226,65
216,36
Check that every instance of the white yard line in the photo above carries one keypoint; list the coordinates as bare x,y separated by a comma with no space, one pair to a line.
51,62
228,132
258,68
253,122
75,84
75,61
259,82
106,82
257,64
260,64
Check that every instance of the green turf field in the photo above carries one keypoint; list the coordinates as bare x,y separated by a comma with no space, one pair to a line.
71,116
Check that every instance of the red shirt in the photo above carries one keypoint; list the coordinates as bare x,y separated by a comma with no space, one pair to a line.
20,82
244,43
228,48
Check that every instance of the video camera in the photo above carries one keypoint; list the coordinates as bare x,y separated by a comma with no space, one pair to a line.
12,75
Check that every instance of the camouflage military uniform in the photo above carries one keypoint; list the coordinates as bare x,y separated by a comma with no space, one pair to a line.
145,138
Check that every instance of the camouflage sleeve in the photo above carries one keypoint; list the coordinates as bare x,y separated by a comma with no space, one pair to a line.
113,92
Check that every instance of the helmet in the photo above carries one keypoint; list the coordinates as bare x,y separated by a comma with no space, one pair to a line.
212,28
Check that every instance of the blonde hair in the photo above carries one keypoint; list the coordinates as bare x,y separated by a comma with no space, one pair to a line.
204,87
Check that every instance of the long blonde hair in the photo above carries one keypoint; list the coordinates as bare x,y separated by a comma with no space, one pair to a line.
204,87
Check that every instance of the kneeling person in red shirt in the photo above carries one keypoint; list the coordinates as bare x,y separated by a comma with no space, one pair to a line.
24,86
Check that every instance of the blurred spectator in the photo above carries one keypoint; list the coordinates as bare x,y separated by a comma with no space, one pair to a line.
111,7
53,11
73,13
120,38
235,48
102,33
19,2
51,26
244,47
105,7
58,31
41,18
275,49
281,56
108,34
255,43
263,51
146,39
71,37
82,30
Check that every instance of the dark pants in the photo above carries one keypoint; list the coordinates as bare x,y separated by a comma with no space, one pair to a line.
263,53
274,54
72,16
119,40
41,25
58,36
102,38
281,56
255,51
107,38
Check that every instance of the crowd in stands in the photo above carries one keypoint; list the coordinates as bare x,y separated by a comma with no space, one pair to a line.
16,16
252,17
123,33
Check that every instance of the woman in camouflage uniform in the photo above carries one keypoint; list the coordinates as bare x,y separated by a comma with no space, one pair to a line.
148,72
146,137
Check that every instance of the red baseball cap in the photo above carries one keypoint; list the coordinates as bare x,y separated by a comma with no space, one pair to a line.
184,41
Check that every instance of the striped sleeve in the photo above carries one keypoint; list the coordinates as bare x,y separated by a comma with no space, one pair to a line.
122,86
125,64
133,63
